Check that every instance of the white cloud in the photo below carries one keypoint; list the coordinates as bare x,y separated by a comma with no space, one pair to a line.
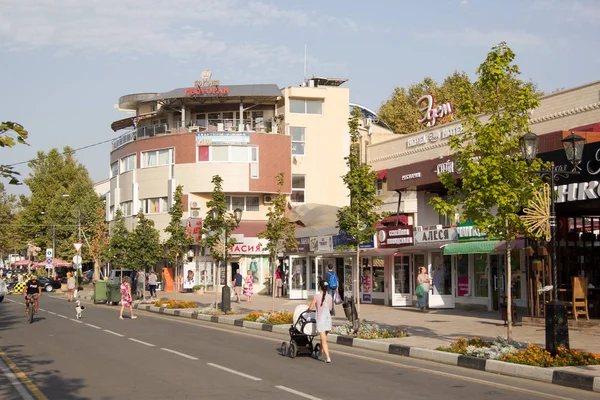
464,3
471,37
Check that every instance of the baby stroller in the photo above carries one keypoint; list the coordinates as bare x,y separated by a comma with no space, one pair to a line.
302,333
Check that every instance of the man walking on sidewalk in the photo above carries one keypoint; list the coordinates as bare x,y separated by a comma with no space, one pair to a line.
332,280
237,284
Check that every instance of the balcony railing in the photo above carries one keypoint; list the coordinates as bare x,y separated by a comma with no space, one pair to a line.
199,126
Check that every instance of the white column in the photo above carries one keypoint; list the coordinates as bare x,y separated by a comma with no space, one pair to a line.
183,116
241,119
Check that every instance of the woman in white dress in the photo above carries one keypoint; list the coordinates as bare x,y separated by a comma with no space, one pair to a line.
323,303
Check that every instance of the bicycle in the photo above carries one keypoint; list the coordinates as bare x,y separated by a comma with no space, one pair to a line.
32,299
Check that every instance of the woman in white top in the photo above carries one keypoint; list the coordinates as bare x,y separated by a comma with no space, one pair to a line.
323,303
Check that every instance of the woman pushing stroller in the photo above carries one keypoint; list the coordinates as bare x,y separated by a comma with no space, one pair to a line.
323,303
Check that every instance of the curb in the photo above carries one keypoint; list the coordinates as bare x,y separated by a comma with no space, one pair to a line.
547,375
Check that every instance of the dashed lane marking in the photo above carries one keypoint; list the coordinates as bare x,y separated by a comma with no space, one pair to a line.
179,354
296,392
113,333
62,316
76,320
140,342
93,326
254,378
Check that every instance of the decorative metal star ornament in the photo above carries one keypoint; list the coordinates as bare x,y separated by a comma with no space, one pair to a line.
537,215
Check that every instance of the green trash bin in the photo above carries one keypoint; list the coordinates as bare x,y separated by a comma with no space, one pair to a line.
114,293
100,292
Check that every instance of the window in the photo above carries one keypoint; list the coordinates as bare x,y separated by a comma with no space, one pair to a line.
220,153
378,187
153,206
239,154
298,140
298,188
203,153
462,275
254,162
127,208
481,276
128,163
114,169
303,106
157,157
111,213
245,203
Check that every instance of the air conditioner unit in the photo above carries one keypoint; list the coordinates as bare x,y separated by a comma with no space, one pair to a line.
438,227
268,199
195,213
418,228
195,204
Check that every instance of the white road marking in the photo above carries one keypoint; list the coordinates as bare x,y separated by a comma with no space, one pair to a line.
179,354
15,381
140,342
113,333
93,326
234,372
41,309
51,312
76,320
296,392
62,316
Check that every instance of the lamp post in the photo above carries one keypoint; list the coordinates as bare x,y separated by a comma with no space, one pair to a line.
557,328
237,217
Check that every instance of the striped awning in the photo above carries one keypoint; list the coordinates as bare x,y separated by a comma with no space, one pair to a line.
481,247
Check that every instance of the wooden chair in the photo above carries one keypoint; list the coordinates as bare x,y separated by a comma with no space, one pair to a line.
580,297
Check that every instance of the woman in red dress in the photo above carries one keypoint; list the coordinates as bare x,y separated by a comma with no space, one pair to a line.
126,300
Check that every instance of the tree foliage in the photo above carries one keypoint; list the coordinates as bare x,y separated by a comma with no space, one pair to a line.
117,247
178,241
99,243
214,229
8,223
359,218
280,229
62,199
143,244
9,140
493,185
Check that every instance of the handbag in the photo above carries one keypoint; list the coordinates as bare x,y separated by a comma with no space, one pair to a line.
337,299
420,292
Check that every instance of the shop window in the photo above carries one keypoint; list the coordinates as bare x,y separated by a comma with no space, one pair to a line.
441,274
481,275
462,275
305,106
128,163
114,169
298,140
378,275
515,269
401,274
298,188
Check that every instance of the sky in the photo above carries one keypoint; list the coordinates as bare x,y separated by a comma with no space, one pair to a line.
65,63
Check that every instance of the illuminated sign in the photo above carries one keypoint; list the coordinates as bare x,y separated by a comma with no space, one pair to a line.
196,91
411,176
431,113
448,166
395,236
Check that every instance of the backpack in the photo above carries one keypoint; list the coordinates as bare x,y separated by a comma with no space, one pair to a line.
333,280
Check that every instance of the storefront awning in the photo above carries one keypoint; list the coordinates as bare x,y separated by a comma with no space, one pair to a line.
402,219
482,247
382,175
517,244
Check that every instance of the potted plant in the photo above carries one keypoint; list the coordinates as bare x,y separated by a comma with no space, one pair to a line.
197,289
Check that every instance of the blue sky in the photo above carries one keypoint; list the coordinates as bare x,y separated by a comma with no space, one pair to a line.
65,63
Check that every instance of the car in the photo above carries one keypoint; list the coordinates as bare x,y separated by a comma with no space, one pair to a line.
49,284
3,290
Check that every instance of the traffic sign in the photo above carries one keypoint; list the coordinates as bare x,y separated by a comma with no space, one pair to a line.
77,246
49,253
49,261
77,259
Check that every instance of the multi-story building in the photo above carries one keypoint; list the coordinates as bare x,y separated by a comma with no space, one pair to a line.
246,134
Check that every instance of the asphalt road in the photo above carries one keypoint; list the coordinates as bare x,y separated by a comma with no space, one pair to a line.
160,357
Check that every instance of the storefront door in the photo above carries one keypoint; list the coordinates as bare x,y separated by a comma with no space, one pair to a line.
497,272
400,282
297,278
440,270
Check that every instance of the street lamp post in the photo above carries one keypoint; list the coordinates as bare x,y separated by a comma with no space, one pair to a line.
557,328
226,294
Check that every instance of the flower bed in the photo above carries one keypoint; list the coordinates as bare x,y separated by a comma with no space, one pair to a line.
175,304
275,318
519,353
369,330
210,310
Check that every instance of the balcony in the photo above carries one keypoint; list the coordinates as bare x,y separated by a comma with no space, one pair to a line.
213,125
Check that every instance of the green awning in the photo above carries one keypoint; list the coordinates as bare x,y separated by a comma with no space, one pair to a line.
481,247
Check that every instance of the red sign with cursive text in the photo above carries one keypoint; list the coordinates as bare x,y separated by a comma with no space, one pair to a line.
200,91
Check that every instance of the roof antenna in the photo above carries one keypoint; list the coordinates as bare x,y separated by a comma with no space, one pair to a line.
304,79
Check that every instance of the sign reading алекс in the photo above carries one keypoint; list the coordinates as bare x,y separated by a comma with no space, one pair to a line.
395,236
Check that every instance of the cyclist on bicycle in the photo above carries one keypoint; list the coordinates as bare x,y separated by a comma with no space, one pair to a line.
32,288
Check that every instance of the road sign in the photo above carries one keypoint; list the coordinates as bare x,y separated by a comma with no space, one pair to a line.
49,253
77,246
77,259
49,261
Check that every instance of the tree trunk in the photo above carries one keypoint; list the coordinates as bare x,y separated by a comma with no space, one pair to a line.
508,289
357,281
273,265
96,270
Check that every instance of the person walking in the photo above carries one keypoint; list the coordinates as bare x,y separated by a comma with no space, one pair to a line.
249,286
70,286
126,300
279,282
332,285
422,290
141,283
323,302
237,284
152,283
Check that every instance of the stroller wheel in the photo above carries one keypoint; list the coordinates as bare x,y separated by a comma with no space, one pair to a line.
283,349
317,349
293,349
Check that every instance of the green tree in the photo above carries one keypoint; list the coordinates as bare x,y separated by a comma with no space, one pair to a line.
8,140
8,223
99,243
213,229
359,218
491,189
279,231
118,250
178,241
143,244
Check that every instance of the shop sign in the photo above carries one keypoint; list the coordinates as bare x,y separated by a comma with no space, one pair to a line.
430,112
232,139
395,236
321,244
448,166
345,240
463,286
414,175
303,245
578,191
250,245
434,136
193,229
436,235
197,91
467,233
206,81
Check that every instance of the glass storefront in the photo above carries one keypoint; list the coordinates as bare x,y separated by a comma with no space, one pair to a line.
462,275
481,275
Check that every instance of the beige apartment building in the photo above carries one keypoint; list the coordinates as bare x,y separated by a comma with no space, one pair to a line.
246,134
471,274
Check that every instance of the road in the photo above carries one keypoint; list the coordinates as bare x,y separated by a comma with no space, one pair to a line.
160,357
